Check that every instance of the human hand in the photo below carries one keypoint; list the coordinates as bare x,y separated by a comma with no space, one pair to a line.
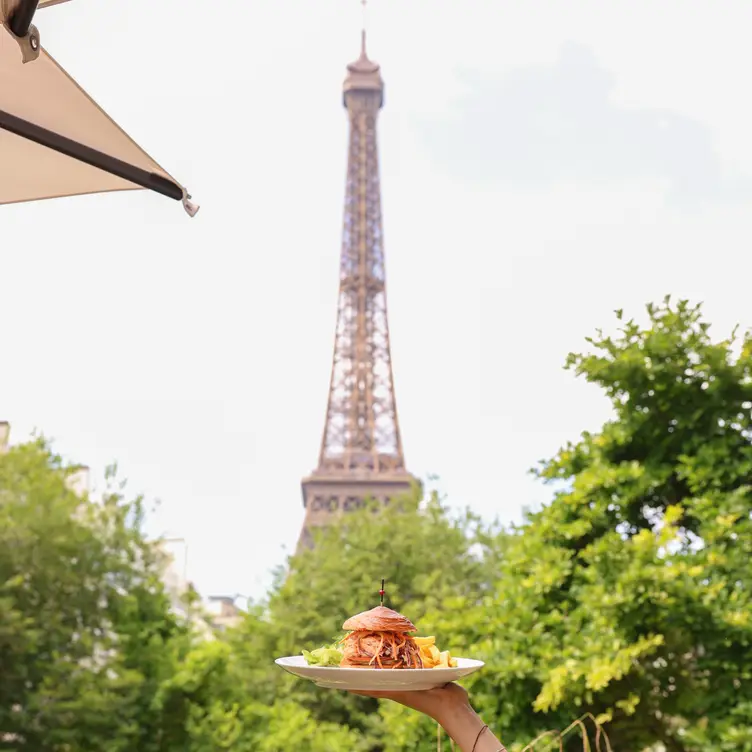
450,707
435,703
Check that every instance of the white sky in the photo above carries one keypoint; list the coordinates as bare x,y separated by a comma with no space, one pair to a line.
543,163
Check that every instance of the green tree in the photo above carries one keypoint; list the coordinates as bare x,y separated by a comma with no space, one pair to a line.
86,632
629,594
422,552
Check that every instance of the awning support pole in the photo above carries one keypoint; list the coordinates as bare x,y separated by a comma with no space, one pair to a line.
20,23
87,155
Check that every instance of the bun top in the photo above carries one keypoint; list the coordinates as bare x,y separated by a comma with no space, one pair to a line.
379,619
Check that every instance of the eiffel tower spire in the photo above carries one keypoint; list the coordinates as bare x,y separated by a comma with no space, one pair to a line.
361,455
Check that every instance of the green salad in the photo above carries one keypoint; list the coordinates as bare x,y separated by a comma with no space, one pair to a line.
329,655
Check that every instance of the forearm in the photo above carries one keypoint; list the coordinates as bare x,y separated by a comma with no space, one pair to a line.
467,729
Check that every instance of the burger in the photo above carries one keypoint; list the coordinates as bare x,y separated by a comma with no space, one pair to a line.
379,639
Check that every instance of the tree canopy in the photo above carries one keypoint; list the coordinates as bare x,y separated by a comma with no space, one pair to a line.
86,632
629,594
626,596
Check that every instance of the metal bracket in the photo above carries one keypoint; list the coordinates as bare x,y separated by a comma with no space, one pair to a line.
17,16
30,45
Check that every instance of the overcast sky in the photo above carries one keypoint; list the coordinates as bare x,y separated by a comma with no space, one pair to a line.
543,163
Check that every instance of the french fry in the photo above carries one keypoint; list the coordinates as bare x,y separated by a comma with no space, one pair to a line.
431,656
421,641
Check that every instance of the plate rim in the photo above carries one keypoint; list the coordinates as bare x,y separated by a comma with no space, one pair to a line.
476,664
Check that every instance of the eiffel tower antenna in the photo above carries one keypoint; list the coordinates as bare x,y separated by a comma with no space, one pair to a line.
364,29
361,456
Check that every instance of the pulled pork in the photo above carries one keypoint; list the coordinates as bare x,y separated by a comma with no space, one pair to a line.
380,650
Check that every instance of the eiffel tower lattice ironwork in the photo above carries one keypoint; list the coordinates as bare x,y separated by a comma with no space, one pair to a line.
361,453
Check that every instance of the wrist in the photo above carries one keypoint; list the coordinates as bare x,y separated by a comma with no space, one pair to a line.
447,707
458,719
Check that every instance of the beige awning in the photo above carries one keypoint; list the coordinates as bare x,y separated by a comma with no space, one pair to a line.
54,139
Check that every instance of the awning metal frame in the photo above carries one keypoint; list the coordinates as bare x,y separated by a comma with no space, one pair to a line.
83,153
21,27
20,21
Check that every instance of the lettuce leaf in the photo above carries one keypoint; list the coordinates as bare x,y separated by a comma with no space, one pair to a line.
326,656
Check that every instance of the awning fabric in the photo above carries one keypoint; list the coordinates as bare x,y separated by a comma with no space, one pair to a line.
55,140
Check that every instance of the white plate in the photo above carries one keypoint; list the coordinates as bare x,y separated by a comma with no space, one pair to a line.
372,679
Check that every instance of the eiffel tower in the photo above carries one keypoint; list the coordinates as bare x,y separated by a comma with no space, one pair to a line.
361,454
